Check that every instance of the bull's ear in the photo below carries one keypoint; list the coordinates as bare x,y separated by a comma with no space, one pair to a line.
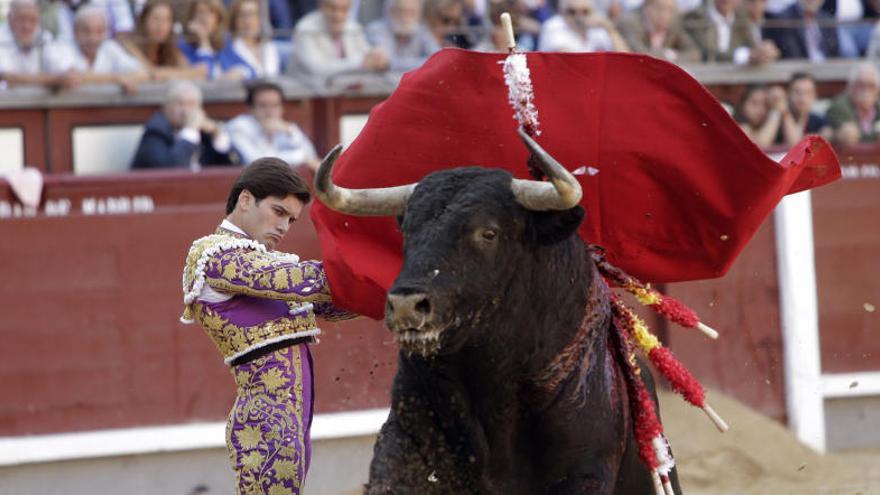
549,227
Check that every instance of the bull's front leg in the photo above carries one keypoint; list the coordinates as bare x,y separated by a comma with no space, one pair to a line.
412,456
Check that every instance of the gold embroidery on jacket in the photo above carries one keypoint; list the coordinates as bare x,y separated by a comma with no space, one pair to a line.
268,455
232,339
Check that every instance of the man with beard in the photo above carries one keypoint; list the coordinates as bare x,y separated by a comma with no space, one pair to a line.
402,35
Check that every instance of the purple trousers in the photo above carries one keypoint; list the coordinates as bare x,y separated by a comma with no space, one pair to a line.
267,432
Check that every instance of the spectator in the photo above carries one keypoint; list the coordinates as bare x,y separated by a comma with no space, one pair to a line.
58,16
285,14
580,28
181,135
855,115
154,44
855,19
96,59
328,43
525,28
204,34
367,11
27,55
445,19
805,38
722,33
763,51
264,132
250,54
616,9
760,112
402,35
656,29
801,120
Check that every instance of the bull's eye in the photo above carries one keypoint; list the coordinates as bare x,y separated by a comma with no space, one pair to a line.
489,234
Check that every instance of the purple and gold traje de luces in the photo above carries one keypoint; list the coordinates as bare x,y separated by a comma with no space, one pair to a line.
267,431
246,298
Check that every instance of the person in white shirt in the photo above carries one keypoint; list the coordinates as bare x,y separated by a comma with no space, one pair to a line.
580,28
403,35
58,16
95,59
327,42
263,131
27,54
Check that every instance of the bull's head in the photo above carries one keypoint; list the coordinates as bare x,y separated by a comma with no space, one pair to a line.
470,236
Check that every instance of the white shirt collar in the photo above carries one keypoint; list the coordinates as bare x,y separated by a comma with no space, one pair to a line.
226,224
718,17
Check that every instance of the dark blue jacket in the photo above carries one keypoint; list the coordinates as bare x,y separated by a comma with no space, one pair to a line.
161,148
792,41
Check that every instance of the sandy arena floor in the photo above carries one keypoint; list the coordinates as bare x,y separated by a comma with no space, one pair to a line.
757,455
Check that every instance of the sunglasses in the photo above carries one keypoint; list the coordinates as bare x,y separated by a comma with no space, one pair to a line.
577,12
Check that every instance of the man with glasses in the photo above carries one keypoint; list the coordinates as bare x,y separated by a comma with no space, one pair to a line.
264,132
579,27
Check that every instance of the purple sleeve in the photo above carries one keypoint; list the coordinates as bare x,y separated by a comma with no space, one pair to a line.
262,274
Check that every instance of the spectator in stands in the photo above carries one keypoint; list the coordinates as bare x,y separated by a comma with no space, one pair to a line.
204,34
873,50
264,132
854,115
328,43
525,28
367,11
284,14
250,54
181,135
760,113
763,51
580,28
155,45
801,120
446,21
807,38
656,29
856,19
95,59
58,16
402,35
723,34
27,55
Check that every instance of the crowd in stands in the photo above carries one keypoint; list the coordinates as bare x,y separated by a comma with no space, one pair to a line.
63,44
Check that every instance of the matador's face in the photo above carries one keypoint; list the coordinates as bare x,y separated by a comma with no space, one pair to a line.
268,220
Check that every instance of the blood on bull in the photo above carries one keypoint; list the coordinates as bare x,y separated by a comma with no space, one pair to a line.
508,378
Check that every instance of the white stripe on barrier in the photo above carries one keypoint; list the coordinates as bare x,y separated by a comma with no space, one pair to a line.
848,385
172,438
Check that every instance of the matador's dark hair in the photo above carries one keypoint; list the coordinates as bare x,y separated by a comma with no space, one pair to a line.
268,177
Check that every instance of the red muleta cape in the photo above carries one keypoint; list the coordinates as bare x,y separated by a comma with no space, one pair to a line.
679,190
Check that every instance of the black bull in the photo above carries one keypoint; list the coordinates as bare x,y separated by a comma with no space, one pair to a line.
490,295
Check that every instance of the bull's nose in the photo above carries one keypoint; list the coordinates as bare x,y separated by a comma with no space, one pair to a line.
408,306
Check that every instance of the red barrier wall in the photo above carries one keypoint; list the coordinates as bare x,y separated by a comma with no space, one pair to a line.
90,308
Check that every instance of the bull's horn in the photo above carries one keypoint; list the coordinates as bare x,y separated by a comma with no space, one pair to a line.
561,193
387,201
